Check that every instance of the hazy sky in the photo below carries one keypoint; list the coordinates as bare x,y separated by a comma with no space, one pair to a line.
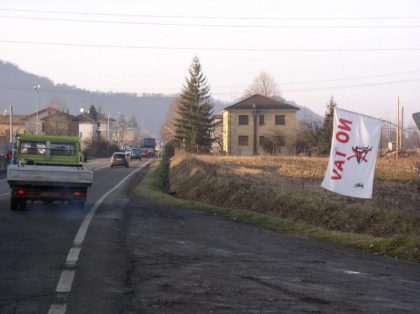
365,53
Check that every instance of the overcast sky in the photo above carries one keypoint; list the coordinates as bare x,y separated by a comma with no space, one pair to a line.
365,53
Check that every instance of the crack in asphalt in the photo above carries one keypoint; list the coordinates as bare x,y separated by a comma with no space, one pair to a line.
301,296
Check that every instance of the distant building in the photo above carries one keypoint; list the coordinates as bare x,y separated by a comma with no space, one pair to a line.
53,122
90,129
18,127
416,118
258,125
18,124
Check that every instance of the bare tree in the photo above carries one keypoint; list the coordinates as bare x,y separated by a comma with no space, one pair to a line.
59,104
264,84
168,128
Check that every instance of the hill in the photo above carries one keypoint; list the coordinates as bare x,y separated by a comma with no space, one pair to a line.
16,88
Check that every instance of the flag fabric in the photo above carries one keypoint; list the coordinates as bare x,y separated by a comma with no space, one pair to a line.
354,148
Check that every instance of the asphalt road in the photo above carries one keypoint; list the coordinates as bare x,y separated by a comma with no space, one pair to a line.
141,257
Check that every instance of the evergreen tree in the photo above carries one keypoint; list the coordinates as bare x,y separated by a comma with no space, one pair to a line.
132,123
93,113
194,112
324,146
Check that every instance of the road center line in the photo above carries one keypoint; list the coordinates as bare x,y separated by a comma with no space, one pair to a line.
73,256
66,281
67,276
58,309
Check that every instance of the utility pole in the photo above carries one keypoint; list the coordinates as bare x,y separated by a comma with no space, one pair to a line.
11,125
398,130
402,129
36,88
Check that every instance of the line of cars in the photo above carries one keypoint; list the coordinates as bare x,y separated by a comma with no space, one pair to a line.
122,158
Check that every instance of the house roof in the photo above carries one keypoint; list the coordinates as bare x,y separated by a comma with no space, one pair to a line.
258,101
16,119
84,118
51,111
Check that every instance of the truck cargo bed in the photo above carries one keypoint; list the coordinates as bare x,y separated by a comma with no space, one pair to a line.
32,175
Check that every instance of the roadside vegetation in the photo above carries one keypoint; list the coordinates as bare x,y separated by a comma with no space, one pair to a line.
284,194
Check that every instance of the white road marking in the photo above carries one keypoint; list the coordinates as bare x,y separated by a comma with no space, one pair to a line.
66,281
58,309
73,256
5,194
67,276
80,236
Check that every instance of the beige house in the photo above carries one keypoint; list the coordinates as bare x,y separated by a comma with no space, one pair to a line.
17,123
51,121
258,125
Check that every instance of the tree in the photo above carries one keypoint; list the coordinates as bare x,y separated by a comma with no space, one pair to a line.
93,113
264,84
168,128
308,137
324,145
120,129
58,103
194,112
132,123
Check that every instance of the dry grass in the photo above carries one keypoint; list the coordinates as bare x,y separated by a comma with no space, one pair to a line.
290,188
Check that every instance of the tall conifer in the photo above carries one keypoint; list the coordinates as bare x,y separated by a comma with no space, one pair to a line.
194,112
327,128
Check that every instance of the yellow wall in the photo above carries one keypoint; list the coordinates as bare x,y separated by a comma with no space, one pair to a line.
232,130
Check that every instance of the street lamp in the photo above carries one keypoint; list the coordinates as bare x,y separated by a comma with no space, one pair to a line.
36,88
10,123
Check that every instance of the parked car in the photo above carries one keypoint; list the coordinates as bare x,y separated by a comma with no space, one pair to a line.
144,153
119,159
135,154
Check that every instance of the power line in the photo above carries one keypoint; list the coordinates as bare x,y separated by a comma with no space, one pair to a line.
306,18
215,25
210,48
348,78
281,84
351,86
79,90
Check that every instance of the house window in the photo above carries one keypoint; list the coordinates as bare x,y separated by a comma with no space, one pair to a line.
243,120
279,141
243,140
261,120
261,140
280,120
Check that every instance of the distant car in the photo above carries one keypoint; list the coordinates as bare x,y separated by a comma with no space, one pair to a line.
119,159
135,154
151,152
144,153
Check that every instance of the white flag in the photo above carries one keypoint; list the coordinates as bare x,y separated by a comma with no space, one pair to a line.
354,148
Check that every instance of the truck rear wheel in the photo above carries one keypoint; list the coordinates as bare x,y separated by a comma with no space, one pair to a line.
17,203
13,203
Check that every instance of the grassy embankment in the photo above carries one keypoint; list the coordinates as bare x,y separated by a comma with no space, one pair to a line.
284,194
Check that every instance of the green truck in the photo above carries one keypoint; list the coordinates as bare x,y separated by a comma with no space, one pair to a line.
48,168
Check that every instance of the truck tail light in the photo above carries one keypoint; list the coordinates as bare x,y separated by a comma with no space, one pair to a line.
21,192
77,193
